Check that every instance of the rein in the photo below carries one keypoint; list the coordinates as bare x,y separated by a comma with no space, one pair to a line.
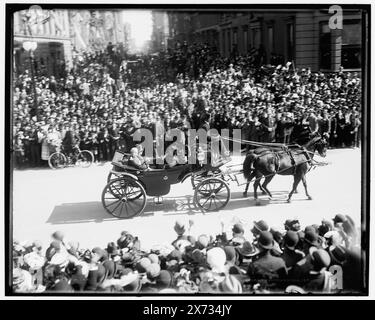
313,166
274,144
261,144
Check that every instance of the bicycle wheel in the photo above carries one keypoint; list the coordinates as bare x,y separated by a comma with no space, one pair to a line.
85,158
57,160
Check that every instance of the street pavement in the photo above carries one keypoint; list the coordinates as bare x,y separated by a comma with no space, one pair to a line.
69,200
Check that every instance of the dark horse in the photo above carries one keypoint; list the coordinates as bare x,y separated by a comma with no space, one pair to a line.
295,161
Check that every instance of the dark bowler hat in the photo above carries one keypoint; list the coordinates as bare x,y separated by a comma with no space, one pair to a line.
260,226
320,258
291,239
265,240
338,254
238,228
247,249
311,238
339,218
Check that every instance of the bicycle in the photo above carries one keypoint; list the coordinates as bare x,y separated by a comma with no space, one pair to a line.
59,159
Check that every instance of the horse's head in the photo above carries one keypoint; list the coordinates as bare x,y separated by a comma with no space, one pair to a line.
321,145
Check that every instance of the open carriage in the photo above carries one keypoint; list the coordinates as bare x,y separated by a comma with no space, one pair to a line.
125,195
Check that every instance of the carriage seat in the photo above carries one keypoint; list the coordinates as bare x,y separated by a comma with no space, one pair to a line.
120,162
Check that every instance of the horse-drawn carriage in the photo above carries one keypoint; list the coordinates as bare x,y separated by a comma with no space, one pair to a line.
127,187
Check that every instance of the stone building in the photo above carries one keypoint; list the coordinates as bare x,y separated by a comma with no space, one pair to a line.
60,34
302,36
160,31
50,30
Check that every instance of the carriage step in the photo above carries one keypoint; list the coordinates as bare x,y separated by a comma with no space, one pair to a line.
158,200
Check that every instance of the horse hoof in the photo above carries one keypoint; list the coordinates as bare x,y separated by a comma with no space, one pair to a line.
309,198
288,200
244,194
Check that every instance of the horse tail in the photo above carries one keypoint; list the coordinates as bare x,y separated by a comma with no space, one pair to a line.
247,165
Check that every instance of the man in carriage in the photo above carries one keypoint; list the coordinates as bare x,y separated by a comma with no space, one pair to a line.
136,160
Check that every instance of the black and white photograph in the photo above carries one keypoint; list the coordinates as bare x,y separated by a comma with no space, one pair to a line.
187,149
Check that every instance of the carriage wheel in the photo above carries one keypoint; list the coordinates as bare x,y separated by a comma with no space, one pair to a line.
212,194
196,179
57,160
124,198
112,176
85,158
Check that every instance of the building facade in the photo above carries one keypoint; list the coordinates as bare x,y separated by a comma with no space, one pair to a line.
60,34
160,31
50,30
301,36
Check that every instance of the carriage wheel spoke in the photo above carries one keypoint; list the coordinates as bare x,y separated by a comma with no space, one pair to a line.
119,202
212,194
208,198
134,192
219,200
129,204
210,203
216,206
112,203
111,198
124,197
128,207
222,196
122,206
119,192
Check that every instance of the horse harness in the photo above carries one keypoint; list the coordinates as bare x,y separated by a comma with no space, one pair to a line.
289,152
304,151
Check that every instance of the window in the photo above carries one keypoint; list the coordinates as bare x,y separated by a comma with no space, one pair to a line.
290,41
325,46
351,44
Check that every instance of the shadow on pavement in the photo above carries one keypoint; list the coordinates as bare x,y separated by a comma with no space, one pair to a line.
93,211
79,212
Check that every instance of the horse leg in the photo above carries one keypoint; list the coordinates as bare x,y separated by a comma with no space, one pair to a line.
252,175
246,188
261,187
267,180
297,179
256,185
305,185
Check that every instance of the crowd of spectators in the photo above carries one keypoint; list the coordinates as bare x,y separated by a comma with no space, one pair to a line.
320,258
105,98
